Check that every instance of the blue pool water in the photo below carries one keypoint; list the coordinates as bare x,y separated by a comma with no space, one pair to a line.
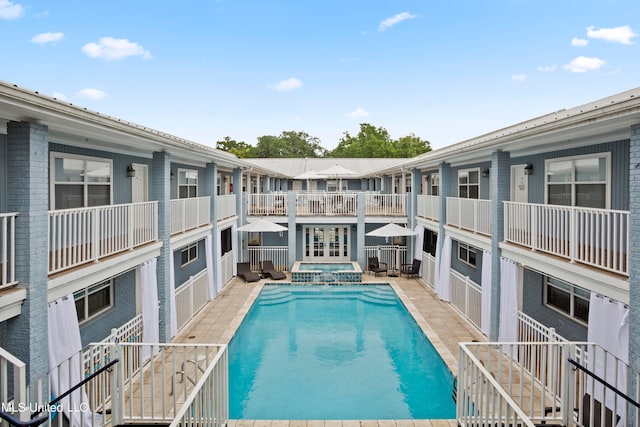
325,267
335,352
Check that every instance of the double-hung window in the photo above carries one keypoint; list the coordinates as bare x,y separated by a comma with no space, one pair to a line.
579,181
469,184
467,254
189,254
94,300
187,183
79,181
435,184
570,300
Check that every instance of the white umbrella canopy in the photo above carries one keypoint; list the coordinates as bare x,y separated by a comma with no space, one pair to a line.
310,174
262,225
391,230
337,171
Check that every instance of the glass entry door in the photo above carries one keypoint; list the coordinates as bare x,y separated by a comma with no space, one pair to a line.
326,243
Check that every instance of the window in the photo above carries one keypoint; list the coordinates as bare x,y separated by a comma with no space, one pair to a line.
469,184
93,300
579,181
429,241
332,184
407,183
569,300
79,181
435,184
467,254
189,254
225,240
187,183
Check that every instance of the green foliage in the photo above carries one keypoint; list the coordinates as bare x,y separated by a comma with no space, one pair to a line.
372,142
289,144
240,148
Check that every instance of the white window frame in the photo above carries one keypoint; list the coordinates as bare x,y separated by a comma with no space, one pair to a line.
188,250
86,292
85,184
468,248
467,184
606,155
188,185
434,182
572,293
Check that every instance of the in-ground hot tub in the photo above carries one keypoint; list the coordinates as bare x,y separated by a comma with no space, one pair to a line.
326,272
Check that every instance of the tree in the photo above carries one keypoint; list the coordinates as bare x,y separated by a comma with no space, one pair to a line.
289,144
240,148
411,146
375,142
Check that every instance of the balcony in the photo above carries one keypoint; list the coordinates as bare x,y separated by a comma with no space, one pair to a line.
595,237
428,207
327,204
225,207
267,204
190,213
80,236
7,250
472,215
385,204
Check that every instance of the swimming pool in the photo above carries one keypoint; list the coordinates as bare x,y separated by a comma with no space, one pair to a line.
326,267
335,352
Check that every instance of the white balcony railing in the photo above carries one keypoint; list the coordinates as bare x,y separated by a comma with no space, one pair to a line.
279,255
429,207
190,213
327,204
597,237
466,297
470,214
226,267
265,204
7,249
191,296
225,206
392,255
13,383
78,236
385,204
428,268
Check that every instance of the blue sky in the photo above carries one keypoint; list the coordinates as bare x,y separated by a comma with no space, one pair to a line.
202,70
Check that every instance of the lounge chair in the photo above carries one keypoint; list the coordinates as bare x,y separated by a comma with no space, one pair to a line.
376,266
411,269
244,271
269,270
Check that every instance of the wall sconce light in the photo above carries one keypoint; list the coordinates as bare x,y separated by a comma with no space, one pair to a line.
172,176
354,227
485,172
131,171
528,169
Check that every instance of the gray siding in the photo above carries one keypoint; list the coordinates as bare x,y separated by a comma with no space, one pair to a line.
3,173
174,182
123,310
475,274
619,170
533,305
182,274
485,182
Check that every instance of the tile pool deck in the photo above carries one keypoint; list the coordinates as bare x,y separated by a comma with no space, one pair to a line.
445,328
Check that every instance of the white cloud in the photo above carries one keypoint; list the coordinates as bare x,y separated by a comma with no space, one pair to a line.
390,22
579,42
10,11
547,68
59,96
582,64
288,84
622,34
519,77
47,38
358,113
91,93
113,49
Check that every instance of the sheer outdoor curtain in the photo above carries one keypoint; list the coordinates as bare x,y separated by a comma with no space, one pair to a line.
234,248
211,289
219,262
172,297
486,293
443,288
65,362
508,328
150,307
418,245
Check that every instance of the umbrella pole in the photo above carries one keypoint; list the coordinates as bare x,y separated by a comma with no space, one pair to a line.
395,265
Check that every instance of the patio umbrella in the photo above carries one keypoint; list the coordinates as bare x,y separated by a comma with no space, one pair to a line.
391,230
337,171
262,226
309,175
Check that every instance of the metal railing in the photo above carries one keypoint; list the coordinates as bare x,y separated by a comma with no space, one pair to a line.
78,236
428,268
470,214
597,237
226,265
190,213
327,204
265,204
466,297
428,207
385,204
13,383
7,249
279,255
191,296
225,206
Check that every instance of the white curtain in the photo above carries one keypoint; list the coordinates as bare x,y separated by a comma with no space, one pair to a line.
208,248
508,330
150,307
219,261
65,362
436,267
443,287
486,293
608,327
172,298
418,245
234,248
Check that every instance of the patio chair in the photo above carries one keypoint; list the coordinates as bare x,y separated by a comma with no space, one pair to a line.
269,270
377,267
244,271
412,269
